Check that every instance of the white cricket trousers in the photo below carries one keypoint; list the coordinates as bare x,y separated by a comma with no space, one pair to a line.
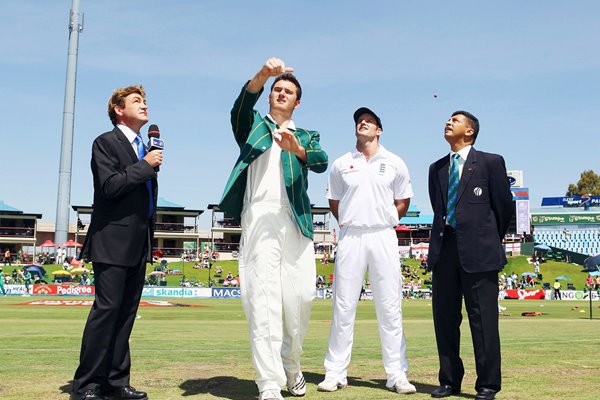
357,251
277,274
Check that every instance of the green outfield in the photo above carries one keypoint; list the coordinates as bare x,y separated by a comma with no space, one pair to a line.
202,352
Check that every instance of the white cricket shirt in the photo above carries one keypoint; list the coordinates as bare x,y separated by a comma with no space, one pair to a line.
366,190
265,184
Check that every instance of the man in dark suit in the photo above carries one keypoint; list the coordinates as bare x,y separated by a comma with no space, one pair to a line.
472,205
119,243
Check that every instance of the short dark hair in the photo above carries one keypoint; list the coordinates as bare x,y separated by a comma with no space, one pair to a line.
289,77
472,120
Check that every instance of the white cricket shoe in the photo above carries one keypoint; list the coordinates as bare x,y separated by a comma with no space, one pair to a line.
331,385
270,394
403,386
296,384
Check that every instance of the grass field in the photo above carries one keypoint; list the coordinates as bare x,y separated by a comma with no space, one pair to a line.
202,352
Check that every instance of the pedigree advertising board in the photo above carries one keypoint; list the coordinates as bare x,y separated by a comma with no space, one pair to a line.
64,290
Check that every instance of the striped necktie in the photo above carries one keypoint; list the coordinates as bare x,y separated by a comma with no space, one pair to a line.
453,191
141,150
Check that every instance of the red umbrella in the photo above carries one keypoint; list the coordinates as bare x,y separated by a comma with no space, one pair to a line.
402,228
71,243
157,253
48,243
75,263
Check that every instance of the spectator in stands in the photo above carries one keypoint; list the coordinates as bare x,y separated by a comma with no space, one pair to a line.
557,295
7,257
509,282
589,282
183,281
320,281
59,255
2,282
597,283
502,281
27,280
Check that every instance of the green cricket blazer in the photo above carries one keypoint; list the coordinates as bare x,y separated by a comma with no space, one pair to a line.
253,135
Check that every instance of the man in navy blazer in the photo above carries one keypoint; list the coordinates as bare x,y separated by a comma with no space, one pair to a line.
466,253
119,243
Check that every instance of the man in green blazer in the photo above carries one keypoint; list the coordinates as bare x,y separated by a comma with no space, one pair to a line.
267,193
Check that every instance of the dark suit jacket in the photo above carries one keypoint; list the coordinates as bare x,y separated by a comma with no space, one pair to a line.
483,211
120,228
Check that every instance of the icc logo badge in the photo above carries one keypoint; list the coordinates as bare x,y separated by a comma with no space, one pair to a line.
477,191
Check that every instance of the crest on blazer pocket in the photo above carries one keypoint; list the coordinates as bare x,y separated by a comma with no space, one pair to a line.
479,192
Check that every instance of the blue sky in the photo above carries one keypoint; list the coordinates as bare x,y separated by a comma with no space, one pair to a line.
529,70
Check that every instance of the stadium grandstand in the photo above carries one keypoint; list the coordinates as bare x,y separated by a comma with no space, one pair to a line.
563,223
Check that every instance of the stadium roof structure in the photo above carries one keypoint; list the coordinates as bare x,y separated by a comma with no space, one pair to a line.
163,205
418,220
413,217
7,209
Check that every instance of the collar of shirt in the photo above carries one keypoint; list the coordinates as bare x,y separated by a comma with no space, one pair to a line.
129,133
463,153
462,157
291,126
380,153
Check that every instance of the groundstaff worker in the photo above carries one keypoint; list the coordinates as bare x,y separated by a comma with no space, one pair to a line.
119,243
369,191
472,204
267,192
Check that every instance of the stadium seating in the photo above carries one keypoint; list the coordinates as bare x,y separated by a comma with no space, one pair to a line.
579,240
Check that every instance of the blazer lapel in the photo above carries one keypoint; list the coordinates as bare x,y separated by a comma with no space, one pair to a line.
443,176
467,172
126,145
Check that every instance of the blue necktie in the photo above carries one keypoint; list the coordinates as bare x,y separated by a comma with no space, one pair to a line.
453,191
141,150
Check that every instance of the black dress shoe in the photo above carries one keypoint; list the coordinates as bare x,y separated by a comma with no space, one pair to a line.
444,391
129,393
90,394
485,394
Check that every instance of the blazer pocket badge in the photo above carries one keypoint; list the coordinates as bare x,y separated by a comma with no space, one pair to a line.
477,191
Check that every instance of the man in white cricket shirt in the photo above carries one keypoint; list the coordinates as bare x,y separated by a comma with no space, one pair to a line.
369,191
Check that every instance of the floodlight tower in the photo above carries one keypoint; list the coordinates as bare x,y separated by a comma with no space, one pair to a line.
66,151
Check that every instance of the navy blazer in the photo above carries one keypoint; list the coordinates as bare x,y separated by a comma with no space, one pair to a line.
483,211
120,227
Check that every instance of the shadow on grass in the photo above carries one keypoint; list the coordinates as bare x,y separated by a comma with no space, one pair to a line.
378,384
67,388
228,387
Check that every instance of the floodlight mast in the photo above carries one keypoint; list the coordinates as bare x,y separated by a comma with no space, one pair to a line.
66,151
